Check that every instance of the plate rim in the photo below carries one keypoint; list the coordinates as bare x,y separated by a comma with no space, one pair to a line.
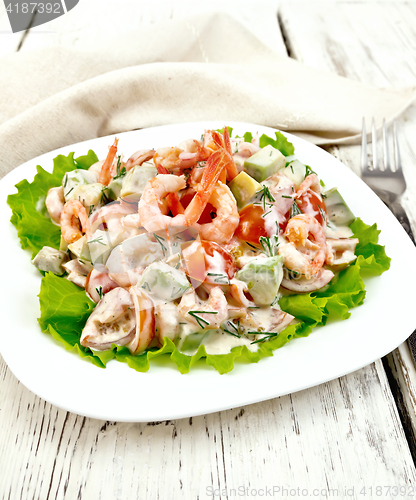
178,414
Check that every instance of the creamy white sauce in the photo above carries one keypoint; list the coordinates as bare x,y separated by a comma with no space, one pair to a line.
333,231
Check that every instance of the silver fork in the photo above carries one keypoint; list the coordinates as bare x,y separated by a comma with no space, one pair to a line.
385,178
388,182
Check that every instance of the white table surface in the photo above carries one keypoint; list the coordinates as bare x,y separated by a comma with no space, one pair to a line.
330,441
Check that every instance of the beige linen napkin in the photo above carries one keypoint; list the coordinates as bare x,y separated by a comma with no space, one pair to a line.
185,70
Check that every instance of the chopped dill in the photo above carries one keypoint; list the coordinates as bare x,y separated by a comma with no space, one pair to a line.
268,336
269,245
99,240
265,194
120,172
159,239
200,320
294,210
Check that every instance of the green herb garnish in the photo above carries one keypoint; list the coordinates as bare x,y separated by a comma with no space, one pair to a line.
121,171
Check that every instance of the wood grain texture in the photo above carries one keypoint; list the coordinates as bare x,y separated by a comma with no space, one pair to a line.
375,45
88,23
343,434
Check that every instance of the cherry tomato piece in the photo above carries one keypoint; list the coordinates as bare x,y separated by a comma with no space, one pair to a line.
251,226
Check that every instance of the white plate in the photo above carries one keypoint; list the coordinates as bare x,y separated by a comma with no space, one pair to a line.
122,394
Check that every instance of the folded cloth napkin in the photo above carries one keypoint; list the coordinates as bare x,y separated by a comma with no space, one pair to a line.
185,70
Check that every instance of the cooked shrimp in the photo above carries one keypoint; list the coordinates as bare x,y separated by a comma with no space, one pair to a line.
311,182
214,141
111,216
282,190
242,148
159,187
296,254
205,314
55,201
176,160
222,227
105,172
74,221
139,157
96,168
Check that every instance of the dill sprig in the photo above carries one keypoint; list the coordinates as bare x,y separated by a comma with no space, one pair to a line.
121,171
200,320
294,210
265,195
100,292
268,336
269,245
222,279
99,240
159,239
230,325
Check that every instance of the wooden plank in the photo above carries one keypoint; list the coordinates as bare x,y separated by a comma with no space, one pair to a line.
375,46
87,25
345,433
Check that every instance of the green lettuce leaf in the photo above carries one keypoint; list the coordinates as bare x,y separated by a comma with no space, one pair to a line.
65,307
280,143
34,227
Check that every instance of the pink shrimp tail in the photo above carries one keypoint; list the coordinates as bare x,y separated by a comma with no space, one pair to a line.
105,173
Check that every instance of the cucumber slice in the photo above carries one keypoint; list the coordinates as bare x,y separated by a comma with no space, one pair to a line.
337,210
263,278
136,179
163,282
75,178
296,171
80,249
264,163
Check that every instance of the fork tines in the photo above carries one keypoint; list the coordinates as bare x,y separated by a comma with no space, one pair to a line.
385,166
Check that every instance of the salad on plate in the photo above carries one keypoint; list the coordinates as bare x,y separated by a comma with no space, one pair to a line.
219,248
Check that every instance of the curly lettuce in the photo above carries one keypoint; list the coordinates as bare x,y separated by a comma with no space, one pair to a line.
34,227
65,307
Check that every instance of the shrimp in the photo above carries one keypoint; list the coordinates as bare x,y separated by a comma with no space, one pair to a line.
105,172
206,314
55,202
159,187
311,182
111,216
295,253
74,221
139,157
214,141
222,227
96,168
175,160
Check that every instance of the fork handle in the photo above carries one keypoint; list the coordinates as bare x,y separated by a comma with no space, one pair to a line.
401,216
